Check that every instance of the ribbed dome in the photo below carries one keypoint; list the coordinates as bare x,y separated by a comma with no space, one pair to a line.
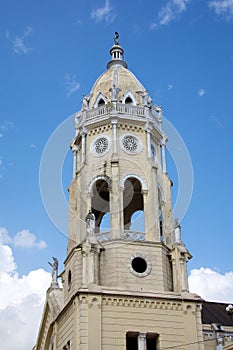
117,84
121,80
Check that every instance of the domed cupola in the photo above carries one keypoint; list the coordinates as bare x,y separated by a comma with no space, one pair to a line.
117,84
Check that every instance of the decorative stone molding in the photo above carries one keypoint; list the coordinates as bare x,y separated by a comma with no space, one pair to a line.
147,267
98,98
131,127
129,94
143,182
131,144
96,178
101,146
142,303
133,236
100,130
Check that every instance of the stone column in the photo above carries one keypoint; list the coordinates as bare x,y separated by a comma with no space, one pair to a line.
148,136
94,323
83,155
114,135
84,270
115,201
75,160
153,221
142,341
164,166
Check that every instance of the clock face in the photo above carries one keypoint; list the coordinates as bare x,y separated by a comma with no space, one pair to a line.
100,146
131,144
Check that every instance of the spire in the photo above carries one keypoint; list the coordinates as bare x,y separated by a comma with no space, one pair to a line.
116,52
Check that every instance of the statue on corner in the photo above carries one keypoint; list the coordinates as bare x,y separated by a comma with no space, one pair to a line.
90,220
54,266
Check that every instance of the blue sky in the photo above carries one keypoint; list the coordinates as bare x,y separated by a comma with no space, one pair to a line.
51,54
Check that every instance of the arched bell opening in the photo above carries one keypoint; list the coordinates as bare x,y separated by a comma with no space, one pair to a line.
105,223
138,221
100,202
132,201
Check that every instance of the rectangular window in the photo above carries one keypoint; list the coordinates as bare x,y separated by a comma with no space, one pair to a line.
132,341
141,341
151,341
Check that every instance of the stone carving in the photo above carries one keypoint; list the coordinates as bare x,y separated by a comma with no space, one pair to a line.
114,91
90,220
130,143
85,102
146,99
116,41
54,266
100,146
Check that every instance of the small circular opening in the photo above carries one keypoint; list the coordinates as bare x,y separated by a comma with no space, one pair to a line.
139,265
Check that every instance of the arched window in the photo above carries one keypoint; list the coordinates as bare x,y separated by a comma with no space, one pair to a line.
101,102
132,200
128,100
100,201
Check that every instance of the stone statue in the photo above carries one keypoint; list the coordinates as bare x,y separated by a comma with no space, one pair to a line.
116,42
90,220
54,266
177,231
114,91
146,99
85,102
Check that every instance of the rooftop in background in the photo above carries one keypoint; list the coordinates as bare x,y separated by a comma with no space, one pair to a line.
215,313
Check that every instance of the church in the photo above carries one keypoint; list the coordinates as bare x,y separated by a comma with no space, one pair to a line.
125,283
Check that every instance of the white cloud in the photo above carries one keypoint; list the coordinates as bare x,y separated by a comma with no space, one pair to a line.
26,239
4,235
21,302
19,42
201,92
222,7
211,285
71,84
169,12
104,13
23,239
170,87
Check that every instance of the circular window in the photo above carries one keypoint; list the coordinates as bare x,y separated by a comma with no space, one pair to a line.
139,265
100,146
131,144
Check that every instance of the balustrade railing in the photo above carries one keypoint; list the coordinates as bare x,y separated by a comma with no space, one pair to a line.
118,108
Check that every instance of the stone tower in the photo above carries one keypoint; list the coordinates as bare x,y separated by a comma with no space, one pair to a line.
124,280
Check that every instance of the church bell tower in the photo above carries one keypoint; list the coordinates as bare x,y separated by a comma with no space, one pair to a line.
125,280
